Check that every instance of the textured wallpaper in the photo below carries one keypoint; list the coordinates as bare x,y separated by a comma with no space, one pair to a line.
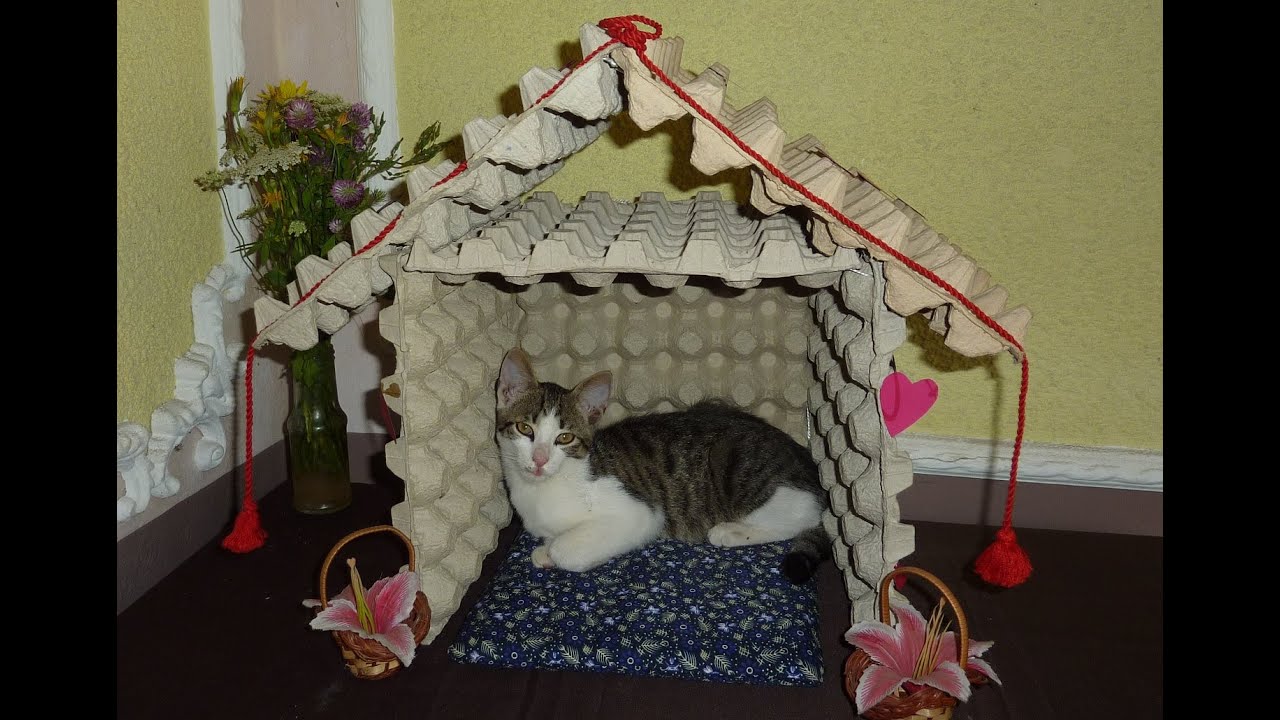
1031,134
168,232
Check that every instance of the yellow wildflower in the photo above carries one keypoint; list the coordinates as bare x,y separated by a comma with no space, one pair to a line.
265,121
283,92
328,133
273,198
234,95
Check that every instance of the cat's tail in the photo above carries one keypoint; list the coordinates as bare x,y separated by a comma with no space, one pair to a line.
808,550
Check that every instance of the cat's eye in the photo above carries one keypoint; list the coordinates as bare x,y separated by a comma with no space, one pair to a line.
564,438
525,429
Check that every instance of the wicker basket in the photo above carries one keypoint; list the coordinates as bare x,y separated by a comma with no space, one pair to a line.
925,701
366,658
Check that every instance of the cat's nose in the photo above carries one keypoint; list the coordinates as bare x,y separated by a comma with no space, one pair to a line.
540,457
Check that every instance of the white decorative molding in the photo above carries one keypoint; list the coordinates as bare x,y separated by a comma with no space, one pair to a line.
1084,466
134,467
205,388
376,47
204,393
204,376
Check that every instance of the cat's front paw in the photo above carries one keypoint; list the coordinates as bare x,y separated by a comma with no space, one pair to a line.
542,557
574,555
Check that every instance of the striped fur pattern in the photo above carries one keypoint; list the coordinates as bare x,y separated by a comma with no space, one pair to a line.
712,473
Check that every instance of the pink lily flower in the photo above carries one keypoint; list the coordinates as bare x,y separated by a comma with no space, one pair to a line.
390,601
895,652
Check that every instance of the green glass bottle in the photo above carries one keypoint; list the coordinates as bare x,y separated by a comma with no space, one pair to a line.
316,434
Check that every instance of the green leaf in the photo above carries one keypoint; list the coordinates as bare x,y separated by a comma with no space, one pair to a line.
426,137
687,660
570,655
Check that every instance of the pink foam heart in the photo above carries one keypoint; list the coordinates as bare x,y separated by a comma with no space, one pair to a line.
904,402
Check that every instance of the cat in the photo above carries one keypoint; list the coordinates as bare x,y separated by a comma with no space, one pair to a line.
711,473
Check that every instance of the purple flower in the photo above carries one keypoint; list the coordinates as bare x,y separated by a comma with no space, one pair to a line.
360,115
299,114
319,157
347,193
335,226
359,142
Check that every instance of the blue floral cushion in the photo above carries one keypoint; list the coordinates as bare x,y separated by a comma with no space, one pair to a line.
669,609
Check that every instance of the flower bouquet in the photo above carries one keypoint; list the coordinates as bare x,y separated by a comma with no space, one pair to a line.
914,669
377,629
308,159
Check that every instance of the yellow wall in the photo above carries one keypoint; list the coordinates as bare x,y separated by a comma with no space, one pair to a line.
167,231
1029,133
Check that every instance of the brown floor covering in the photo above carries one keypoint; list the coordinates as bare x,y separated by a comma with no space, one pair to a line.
225,636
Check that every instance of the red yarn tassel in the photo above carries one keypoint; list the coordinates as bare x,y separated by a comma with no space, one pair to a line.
247,535
1004,562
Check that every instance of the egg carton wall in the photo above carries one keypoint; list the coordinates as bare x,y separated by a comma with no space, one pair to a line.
780,350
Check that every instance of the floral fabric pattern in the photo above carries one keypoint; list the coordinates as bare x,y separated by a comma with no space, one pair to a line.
670,609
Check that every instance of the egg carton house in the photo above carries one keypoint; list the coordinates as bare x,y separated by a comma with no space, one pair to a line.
775,306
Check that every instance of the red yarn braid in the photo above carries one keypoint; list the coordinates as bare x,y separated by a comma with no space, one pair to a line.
1004,562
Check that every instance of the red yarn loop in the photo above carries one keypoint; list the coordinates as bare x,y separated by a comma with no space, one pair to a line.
247,535
1004,563
1010,564
624,30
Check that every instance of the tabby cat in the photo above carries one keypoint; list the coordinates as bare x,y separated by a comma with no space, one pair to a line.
711,473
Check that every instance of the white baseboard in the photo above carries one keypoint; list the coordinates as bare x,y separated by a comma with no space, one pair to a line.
1084,466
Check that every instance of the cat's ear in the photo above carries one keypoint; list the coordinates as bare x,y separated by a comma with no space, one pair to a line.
592,395
515,378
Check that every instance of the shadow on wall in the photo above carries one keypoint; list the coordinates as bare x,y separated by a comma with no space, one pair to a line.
623,132
937,356
372,342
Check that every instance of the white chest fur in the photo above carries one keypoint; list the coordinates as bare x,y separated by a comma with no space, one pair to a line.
551,506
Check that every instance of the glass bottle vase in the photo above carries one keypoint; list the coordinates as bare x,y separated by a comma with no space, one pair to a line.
316,433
